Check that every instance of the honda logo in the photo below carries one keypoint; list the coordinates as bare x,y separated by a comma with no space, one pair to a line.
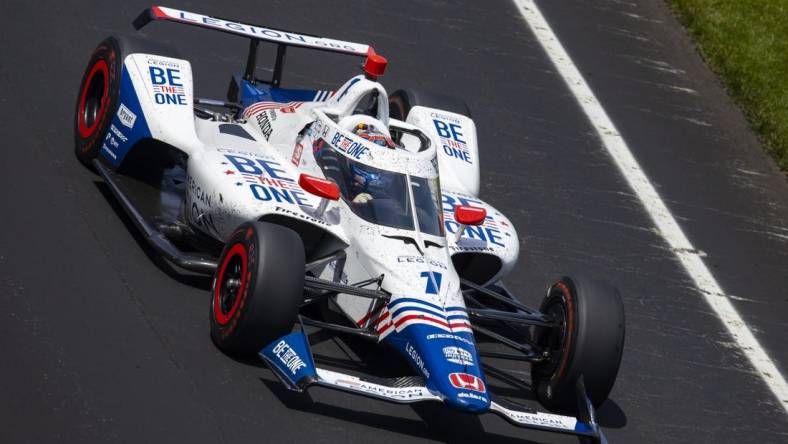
466,381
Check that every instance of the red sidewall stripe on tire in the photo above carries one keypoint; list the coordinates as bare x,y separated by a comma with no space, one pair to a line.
222,318
570,328
87,131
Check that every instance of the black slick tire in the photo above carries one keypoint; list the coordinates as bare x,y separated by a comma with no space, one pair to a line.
257,289
589,341
97,100
402,100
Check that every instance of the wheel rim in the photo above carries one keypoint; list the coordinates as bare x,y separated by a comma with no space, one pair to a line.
94,99
230,284
557,341
553,340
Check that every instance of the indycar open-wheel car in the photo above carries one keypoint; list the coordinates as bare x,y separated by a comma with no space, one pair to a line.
360,203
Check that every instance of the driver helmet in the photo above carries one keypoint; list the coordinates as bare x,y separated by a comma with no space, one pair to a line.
364,177
369,181
373,135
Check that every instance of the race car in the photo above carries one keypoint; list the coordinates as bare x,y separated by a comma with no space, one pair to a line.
350,210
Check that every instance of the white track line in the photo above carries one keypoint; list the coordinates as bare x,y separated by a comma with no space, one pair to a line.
664,220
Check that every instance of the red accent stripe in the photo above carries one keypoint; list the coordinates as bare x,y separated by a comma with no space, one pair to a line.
421,318
381,318
367,316
465,325
384,328
157,12
269,105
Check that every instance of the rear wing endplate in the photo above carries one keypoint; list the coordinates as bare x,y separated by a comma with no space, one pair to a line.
256,34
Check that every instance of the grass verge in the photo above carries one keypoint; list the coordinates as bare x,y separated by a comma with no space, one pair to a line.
746,43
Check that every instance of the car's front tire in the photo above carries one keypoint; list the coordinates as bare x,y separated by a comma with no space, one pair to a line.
588,342
258,287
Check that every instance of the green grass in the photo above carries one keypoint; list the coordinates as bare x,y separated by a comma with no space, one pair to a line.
746,43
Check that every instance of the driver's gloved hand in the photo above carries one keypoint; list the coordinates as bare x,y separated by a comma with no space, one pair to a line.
362,198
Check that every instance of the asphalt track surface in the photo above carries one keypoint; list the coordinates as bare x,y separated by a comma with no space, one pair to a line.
102,342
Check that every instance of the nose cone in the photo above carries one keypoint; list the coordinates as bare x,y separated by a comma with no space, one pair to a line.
449,364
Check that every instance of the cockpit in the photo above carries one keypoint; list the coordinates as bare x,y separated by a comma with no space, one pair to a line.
383,197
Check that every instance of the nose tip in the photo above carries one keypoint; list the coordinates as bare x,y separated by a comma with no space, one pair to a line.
467,401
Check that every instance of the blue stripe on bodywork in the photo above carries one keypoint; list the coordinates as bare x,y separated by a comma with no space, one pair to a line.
120,138
415,301
249,93
400,309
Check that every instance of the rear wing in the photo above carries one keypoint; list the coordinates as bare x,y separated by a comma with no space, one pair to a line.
256,34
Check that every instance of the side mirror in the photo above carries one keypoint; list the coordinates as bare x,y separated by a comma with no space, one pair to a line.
467,215
319,187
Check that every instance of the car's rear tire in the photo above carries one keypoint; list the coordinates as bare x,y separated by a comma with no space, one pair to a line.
588,342
402,100
99,92
97,100
257,289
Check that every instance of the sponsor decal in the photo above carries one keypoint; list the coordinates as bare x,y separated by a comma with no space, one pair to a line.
348,146
467,382
163,63
243,153
445,117
261,32
106,149
541,419
127,125
299,215
197,192
127,118
266,180
471,395
288,357
402,393
296,159
414,355
452,141
421,260
167,86
111,140
458,355
449,336
116,132
433,281
264,122
318,130
201,218
471,248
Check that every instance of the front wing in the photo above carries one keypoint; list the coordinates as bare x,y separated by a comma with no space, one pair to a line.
291,360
